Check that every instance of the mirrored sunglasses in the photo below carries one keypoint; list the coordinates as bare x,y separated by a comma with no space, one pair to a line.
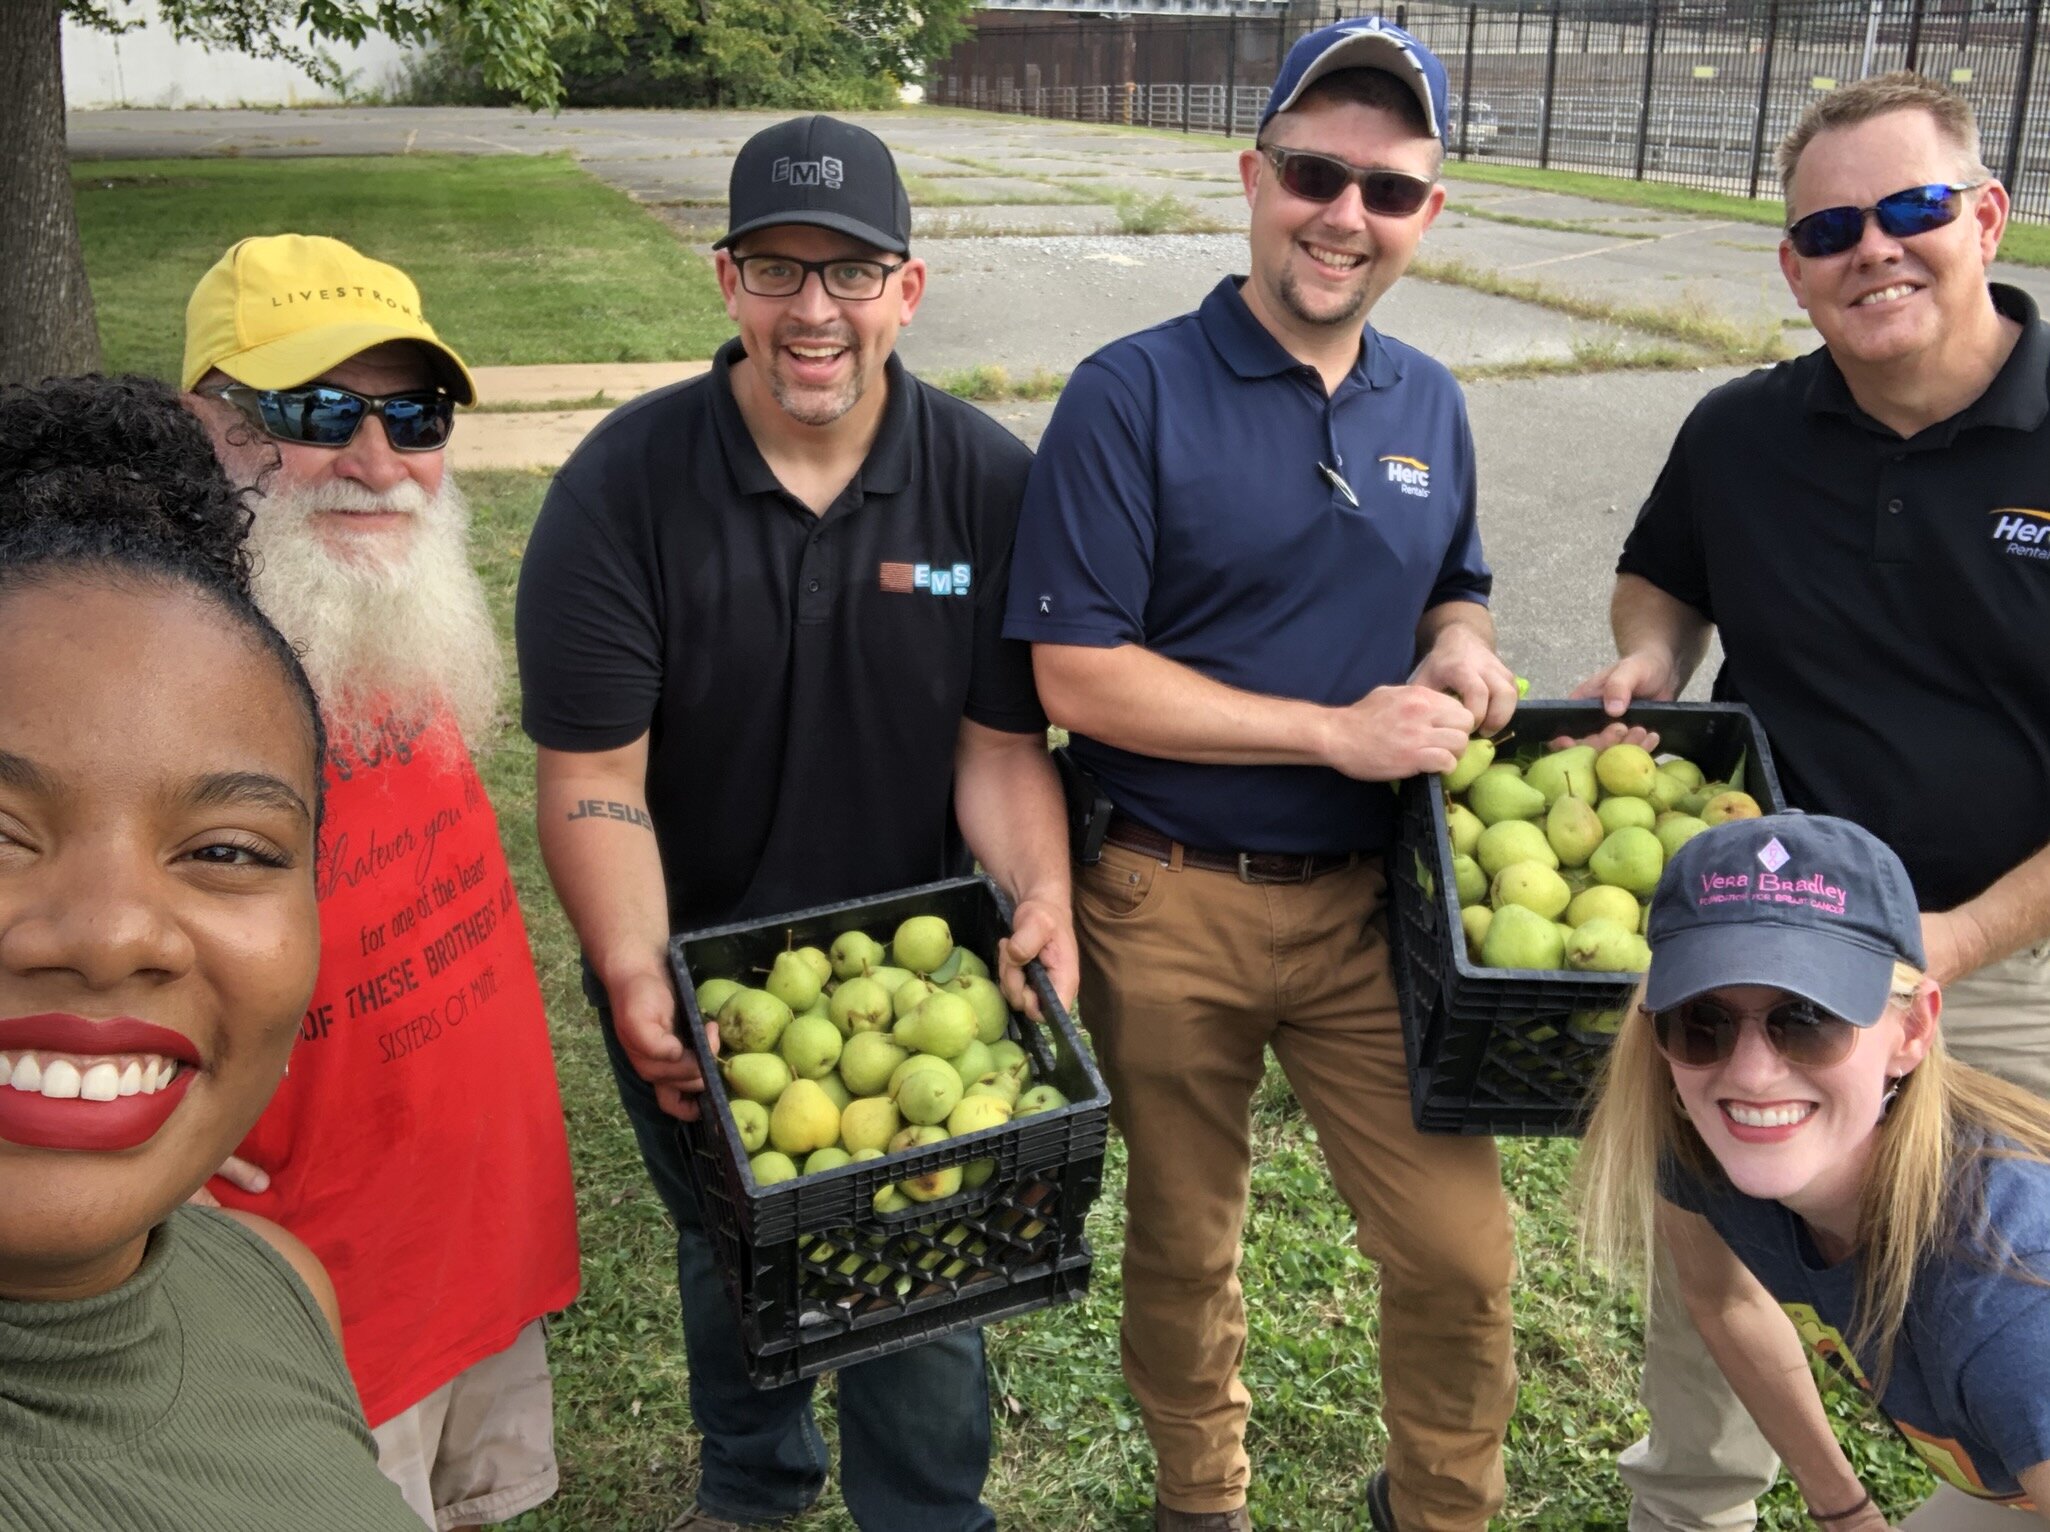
1320,178
1702,1032
322,415
1917,210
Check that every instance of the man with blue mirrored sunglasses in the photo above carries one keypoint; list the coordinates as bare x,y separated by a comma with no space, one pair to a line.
1867,530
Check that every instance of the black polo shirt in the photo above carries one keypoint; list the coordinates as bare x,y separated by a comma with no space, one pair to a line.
1883,602
802,678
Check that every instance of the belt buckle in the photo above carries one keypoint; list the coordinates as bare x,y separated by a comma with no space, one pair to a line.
1247,875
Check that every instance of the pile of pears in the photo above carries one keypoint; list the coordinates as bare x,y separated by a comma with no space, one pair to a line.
1555,861
863,1050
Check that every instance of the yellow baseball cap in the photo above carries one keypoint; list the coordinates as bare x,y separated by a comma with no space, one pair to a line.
281,309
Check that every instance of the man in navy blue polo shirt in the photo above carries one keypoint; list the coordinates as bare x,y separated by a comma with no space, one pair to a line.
1863,526
1249,567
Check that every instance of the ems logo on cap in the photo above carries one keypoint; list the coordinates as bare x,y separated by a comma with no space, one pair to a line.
823,171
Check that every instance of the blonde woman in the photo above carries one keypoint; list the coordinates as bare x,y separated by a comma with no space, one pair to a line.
1780,1113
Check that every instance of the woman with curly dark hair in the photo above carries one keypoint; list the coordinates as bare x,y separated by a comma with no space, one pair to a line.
161,1366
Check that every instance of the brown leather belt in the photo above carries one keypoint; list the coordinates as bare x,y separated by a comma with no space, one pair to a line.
1247,866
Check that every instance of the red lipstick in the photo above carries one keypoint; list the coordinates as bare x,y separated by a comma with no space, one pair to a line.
56,1032
42,1122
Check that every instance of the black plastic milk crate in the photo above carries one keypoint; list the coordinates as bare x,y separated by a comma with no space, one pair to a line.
1496,1050
818,1278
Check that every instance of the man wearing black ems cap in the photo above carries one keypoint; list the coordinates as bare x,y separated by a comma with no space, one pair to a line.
760,619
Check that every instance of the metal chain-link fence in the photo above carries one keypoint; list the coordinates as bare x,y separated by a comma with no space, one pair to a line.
1696,92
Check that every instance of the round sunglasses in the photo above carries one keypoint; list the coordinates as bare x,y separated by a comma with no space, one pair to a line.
1904,214
1701,1033
1320,178
322,415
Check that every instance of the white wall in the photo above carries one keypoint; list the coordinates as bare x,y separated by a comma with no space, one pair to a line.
149,67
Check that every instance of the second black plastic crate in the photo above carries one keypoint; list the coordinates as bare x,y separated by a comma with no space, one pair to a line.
818,1278
1497,1050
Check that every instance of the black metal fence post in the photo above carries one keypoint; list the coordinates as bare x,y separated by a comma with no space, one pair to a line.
1466,78
1188,67
1914,37
1651,41
2018,115
1551,82
1772,37
1231,71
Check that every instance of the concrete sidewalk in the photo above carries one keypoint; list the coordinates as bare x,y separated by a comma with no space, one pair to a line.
496,437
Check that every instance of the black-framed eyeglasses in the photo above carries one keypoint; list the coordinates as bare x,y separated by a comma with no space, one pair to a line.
1903,215
1321,178
848,278
1702,1032
323,415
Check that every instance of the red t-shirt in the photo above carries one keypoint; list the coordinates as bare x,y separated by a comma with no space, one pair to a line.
417,1142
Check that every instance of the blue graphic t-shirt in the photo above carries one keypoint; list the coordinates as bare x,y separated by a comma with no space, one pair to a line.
1968,1387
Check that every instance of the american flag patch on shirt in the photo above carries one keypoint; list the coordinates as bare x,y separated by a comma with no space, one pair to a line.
898,579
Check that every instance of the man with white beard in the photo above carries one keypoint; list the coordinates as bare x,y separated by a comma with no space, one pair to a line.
417,1142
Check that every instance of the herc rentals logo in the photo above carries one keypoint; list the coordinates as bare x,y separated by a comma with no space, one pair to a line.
936,579
823,171
2022,532
1409,475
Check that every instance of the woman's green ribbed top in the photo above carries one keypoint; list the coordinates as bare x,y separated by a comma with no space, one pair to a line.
204,1394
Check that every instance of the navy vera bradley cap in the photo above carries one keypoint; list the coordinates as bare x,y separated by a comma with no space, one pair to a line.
821,171
1813,905
1367,42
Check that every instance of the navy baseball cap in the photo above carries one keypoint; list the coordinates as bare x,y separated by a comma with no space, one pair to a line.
1366,43
1816,906
822,171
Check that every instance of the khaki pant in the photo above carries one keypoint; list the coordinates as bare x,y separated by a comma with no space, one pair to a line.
1188,977
1703,1464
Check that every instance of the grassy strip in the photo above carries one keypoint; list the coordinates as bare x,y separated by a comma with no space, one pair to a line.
519,260
1601,354
927,192
989,384
1555,225
598,401
1723,340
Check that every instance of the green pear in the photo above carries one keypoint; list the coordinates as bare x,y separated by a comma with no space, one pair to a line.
1005,1054
1604,1023
868,1060
892,979
916,1061
803,1119
927,1095
944,1025
753,1021
973,1062
769,1167
1630,858
752,1118
861,1005
1513,840
1675,832
1688,773
998,1083
1462,827
794,981
859,1155
855,955
1644,920
1503,769
972,967
889,1200
1724,807
1573,829
870,1123
759,1077
992,1016
1041,1098
821,1008
1532,885
1473,760
836,1090
810,1045
1521,938
714,993
922,943
1607,946
1603,903
832,1157
911,995
934,1185
1617,813
1565,931
1667,790
1564,771
1468,878
819,963
974,1113
1498,799
1626,771
977,1173
1474,920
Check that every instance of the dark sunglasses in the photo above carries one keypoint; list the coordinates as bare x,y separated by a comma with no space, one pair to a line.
1702,1032
322,415
1833,230
1320,178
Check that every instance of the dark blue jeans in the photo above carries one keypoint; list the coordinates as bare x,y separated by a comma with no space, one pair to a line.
914,1425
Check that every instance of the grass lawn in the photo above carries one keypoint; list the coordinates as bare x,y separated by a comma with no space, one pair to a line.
1071,1456
518,260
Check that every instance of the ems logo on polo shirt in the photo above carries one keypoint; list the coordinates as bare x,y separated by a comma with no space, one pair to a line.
937,579
2021,532
1410,475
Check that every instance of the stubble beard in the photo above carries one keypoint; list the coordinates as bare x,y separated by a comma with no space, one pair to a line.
809,405
1352,312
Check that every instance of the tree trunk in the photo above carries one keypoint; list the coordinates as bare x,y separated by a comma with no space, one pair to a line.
46,306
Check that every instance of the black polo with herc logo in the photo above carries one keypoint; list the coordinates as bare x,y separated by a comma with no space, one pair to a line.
1883,602
802,678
